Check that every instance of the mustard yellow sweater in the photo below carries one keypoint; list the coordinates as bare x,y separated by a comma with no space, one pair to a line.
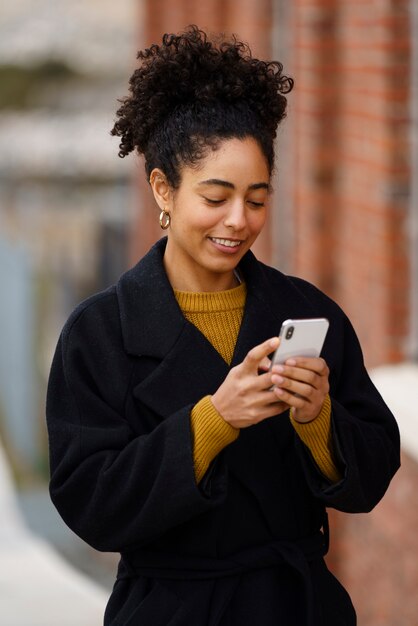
218,316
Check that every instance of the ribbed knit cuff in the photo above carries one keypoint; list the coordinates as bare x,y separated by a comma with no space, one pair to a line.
317,436
211,433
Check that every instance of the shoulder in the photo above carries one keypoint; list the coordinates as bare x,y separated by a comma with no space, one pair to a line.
95,307
90,351
296,298
299,289
314,294
95,319
303,286
106,305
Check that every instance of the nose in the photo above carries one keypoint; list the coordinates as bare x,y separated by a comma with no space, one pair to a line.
236,217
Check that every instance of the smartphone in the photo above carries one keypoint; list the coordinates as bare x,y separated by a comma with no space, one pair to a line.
300,337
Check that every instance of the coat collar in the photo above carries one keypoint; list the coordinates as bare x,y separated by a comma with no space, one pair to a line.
150,316
152,320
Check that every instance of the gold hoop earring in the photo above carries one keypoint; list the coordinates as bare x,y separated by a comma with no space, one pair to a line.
165,219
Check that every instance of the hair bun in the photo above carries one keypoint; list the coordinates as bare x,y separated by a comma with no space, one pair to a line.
189,70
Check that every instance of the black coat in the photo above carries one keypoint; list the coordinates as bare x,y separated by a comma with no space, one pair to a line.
244,547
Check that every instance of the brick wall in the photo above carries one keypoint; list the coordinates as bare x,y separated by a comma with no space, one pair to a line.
351,191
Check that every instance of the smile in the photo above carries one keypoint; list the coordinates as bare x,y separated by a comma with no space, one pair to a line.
226,242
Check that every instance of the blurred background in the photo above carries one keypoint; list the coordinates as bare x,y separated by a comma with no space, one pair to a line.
73,217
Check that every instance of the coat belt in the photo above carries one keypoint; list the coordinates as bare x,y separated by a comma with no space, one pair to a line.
295,554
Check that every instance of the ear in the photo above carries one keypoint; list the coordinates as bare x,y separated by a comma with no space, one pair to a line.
160,188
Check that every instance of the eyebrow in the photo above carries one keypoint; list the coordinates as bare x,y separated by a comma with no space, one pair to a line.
225,183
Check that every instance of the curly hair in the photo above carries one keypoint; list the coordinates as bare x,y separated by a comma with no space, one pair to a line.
190,93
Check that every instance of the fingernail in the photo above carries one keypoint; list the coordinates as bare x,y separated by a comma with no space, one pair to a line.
277,380
278,368
291,362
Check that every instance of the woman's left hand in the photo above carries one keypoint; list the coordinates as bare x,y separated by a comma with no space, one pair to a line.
302,383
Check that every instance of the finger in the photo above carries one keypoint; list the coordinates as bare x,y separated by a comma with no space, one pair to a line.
277,405
264,364
314,364
297,373
291,400
271,405
275,408
264,382
269,410
257,354
295,387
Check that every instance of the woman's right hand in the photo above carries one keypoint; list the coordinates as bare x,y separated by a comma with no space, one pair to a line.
246,396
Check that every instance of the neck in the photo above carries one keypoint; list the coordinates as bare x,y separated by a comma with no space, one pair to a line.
200,280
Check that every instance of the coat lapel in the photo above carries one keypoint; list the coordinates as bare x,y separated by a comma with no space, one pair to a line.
186,366
252,458
268,305
151,320
191,370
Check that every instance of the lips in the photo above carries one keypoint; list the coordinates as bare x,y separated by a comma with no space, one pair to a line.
229,243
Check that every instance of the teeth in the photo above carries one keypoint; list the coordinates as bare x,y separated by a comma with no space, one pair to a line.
226,242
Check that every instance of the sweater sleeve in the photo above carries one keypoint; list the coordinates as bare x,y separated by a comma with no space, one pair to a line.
211,433
316,435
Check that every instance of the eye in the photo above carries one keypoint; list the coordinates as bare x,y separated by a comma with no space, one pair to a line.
255,204
213,202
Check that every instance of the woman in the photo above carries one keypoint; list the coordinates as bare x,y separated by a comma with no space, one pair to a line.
171,442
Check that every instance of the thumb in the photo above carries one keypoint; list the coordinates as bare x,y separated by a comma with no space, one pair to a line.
258,355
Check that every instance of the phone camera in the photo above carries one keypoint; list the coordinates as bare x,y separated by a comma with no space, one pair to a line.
289,332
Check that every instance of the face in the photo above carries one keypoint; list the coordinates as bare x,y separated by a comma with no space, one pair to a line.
216,215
